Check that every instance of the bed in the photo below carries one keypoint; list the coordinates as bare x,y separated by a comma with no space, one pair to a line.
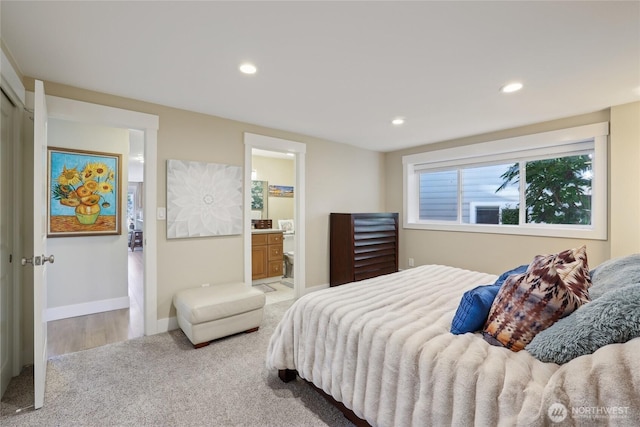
383,348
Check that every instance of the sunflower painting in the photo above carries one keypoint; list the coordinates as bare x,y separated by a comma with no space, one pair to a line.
84,193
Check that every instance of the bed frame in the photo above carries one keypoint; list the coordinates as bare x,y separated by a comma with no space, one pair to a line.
288,375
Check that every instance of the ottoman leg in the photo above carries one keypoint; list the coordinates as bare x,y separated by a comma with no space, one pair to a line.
202,344
252,330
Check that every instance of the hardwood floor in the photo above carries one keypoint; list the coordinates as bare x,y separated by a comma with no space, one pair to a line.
94,330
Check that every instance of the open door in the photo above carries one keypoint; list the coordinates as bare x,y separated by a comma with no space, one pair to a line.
39,259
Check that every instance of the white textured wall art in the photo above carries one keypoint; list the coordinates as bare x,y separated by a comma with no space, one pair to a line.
203,199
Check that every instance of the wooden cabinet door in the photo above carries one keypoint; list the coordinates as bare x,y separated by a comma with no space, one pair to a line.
259,256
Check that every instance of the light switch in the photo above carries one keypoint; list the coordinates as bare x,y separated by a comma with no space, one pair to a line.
162,213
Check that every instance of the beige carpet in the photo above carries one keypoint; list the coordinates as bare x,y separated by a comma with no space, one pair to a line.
162,381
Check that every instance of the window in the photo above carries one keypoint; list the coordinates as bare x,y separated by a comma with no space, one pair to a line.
549,184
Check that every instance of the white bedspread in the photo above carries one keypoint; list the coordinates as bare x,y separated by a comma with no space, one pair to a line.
383,348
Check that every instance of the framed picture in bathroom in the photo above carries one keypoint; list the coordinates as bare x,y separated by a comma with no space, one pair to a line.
259,199
280,191
286,224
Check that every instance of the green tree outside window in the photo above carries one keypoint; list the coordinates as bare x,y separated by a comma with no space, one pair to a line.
558,191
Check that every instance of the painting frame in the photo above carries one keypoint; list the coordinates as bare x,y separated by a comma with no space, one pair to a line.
281,191
84,190
259,199
203,199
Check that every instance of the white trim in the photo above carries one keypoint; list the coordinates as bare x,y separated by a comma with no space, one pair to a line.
555,142
66,311
78,111
167,324
85,112
11,83
509,146
149,228
263,142
14,234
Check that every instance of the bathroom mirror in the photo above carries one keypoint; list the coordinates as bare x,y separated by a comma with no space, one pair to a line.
259,199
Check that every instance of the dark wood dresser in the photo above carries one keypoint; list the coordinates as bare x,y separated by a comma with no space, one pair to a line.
363,245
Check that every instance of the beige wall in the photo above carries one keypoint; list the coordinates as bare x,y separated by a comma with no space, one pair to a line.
624,185
495,253
338,178
342,178
276,172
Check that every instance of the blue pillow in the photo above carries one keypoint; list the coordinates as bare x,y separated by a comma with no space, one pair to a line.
518,270
475,304
473,309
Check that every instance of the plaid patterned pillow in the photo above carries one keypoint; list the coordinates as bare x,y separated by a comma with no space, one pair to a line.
552,287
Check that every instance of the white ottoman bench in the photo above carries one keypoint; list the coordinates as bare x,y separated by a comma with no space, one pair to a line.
216,311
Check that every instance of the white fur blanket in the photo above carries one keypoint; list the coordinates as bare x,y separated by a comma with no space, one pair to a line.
383,348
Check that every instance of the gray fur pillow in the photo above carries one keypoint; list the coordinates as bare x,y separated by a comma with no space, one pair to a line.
614,274
612,318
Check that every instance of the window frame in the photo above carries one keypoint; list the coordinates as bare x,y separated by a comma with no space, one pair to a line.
517,149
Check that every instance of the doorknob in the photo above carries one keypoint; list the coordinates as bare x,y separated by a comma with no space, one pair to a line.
47,259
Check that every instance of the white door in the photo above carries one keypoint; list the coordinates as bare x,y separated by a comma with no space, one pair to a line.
40,259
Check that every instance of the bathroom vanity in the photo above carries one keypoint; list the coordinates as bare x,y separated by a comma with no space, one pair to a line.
266,253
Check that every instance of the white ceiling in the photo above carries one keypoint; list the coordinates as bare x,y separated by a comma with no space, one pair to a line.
341,70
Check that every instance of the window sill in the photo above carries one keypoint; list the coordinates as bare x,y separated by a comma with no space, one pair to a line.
543,230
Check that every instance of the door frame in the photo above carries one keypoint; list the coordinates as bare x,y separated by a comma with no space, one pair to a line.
14,89
251,141
14,214
84,112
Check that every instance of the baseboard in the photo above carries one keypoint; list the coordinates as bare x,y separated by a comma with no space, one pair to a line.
315,288
167,324
66,311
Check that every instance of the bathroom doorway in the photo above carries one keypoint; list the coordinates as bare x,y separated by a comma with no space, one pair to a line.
273,199
275,169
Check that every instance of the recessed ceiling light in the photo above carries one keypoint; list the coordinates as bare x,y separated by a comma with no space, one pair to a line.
248,68
511,87
397,121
